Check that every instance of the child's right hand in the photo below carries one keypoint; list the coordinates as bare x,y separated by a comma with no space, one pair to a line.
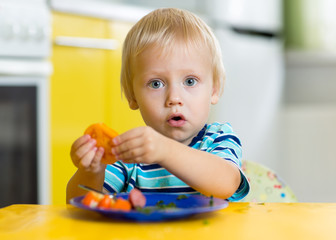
85,155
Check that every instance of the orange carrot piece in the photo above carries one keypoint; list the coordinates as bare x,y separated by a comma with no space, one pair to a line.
122,204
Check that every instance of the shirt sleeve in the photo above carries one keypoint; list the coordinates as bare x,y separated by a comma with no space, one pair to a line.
116,175
220,140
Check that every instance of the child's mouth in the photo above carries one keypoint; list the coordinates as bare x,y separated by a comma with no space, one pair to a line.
176,120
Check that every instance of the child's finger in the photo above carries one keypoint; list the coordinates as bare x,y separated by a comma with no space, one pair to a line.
134,154
97,158
83,149
131,134
127,145
78,147
80,141
86,161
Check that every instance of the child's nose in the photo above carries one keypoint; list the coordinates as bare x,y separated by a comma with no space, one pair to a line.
174,98
174,101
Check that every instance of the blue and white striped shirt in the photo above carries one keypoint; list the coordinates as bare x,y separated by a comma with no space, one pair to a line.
215,138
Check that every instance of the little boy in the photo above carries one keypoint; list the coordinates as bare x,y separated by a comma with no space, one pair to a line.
172,72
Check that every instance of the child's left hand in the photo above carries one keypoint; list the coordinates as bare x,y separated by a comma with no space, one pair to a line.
142,144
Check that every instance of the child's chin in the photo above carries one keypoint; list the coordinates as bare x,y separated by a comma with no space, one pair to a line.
182,138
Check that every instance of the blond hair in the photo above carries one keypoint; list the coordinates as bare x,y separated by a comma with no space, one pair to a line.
164,27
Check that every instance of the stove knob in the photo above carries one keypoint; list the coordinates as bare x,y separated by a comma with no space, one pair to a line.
7,31
23,35
16,30
40,34
32,31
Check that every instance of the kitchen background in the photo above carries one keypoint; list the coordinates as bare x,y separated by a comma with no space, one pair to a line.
59,72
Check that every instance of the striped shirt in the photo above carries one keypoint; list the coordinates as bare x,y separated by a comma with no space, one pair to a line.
215,138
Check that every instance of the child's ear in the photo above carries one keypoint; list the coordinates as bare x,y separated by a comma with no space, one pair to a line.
215,96
133,104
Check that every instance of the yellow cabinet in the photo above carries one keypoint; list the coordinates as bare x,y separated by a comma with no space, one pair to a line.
84,89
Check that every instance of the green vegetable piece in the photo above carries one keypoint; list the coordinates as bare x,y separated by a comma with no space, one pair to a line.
171,205
206,222
161,205
145,210
211,202
182,196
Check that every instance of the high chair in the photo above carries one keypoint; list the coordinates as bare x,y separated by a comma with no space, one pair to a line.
265,185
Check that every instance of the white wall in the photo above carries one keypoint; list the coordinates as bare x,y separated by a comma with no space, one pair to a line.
308,162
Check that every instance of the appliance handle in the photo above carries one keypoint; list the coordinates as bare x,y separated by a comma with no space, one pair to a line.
254,32
25,68
83,42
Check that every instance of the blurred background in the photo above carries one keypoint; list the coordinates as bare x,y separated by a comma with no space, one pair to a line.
59,72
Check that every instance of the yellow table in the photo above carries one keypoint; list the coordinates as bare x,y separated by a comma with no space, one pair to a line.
238,221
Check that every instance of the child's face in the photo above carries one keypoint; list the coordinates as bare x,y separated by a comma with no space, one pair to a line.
174,91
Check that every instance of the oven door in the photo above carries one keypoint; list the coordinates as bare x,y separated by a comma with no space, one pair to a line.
24,149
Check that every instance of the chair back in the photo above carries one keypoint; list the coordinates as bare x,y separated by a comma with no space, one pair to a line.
265,185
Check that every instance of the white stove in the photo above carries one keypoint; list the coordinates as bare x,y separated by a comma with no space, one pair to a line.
25,46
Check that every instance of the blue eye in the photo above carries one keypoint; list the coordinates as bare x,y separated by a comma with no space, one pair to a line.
156,84
190,82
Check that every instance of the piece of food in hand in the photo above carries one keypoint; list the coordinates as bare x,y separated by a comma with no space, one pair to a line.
92,199
103,135
136,198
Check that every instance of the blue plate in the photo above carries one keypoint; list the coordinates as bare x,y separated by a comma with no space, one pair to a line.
186,207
